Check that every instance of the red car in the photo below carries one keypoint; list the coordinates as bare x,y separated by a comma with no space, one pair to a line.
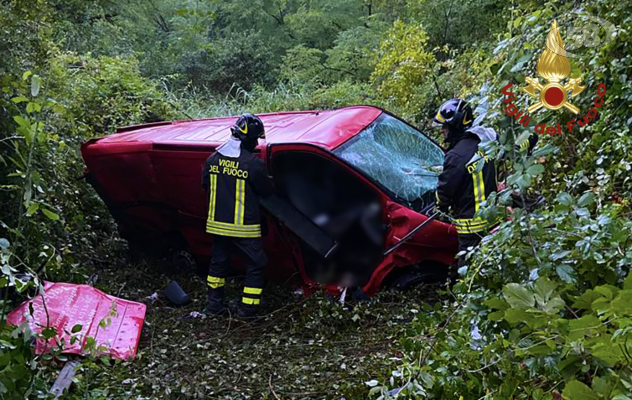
351,183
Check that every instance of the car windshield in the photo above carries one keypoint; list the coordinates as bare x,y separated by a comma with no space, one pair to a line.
398,157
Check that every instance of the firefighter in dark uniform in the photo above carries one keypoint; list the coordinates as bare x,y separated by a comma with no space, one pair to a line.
469,175
234,179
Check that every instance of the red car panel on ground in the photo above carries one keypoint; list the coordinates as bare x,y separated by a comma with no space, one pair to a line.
65,305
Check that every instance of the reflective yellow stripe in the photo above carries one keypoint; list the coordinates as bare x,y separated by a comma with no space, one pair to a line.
232,233
241,228
211,227
474,225
479,189
236,229
470,229
215,282
252,290
482,187
470,222
213,190
440,117
248,300
240,200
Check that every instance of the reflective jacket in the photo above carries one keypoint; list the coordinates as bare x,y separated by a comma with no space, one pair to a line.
233,186
468,178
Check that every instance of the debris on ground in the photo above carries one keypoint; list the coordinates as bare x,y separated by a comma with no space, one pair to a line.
174,293
81,319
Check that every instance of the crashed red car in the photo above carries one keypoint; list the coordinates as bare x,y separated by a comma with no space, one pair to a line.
351,183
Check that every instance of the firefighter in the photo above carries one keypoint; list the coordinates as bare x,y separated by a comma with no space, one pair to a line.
234,179
469,175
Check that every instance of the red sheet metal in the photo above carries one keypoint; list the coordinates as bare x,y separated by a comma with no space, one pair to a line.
327,129
70,304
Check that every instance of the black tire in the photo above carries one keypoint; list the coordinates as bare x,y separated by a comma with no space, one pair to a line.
403,279
182,263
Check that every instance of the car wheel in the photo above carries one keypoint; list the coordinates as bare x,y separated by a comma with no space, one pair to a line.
403,279
183,262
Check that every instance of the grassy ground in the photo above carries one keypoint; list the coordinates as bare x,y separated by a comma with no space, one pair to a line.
310,348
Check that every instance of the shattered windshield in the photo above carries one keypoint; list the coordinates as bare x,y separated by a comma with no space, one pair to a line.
398,157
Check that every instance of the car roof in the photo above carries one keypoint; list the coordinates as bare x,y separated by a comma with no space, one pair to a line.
327,129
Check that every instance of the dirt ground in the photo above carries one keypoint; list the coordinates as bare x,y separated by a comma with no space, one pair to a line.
304,348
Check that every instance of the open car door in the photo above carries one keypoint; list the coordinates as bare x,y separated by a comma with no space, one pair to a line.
335,211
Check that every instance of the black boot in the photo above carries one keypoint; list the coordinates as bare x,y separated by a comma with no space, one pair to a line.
247,312
215,302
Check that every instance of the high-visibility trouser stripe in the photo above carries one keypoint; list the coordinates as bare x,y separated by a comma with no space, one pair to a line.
252,290
224,232
213,197
240,201
241,228
474,225
479,189
249,301
245,231
215,282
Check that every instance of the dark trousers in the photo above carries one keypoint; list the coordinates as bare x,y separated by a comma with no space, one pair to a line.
255,259
467,240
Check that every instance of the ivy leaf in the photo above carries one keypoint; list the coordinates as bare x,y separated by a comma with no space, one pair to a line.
535,169
496,316
587,298
565,199
627,284
19,99
521,62
622,304
33,207
554,305
49,332
559,255
517,315
575,390
607,352
518,296
577,328
586,199
543,290
497,304
566,273
51,215
608,291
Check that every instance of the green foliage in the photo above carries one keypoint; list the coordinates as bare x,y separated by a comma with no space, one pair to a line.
403,63
101,94
541,310
459,23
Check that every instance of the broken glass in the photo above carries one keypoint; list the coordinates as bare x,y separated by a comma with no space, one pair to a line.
398,157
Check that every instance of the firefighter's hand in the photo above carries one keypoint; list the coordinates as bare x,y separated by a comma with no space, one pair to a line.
442,208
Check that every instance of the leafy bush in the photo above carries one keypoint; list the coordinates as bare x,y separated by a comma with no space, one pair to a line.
541,310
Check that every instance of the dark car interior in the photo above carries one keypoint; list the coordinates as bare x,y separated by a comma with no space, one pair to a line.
340,204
